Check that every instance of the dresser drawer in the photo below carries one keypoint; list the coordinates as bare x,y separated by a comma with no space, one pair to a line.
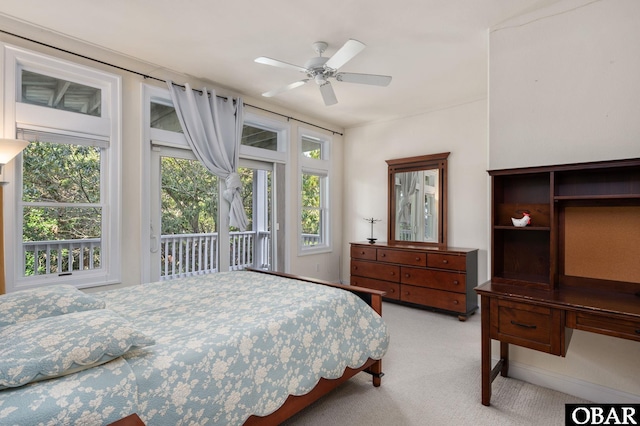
450,281
455,302
447,261
392,289
381,271
626,329
360,252
531,326
402,257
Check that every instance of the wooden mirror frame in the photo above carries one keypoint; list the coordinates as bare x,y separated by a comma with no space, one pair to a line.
409,164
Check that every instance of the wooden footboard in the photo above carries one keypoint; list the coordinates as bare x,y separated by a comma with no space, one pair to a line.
294,404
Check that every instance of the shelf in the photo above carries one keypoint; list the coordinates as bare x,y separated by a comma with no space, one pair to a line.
597,197
525,228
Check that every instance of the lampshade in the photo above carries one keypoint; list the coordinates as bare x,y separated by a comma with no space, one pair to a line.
9,148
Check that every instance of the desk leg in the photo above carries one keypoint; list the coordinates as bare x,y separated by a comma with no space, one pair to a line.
504,359
486,351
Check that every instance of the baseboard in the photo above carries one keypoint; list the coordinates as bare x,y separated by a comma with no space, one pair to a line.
570,385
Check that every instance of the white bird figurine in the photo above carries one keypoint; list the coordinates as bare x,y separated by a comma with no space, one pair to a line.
523,221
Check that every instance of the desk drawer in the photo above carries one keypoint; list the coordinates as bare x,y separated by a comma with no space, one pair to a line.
528,325
392,289
402,257
447,261
450,281
626,329
375,270
455,302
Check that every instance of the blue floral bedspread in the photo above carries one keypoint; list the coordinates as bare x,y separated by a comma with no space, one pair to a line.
228,345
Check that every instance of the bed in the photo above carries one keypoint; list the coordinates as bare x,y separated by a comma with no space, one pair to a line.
243,347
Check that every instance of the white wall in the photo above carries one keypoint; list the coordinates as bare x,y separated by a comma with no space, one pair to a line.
564,87
460,130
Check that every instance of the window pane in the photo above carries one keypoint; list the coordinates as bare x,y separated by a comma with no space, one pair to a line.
164,117
259,138
61,239
189,197
311,214
38,89
310,190
311,148
61,173
61,223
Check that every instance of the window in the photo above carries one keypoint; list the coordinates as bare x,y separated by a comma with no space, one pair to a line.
61,205
264,139
65,184
314,219
52,92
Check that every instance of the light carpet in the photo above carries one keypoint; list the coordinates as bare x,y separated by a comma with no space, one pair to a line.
432,377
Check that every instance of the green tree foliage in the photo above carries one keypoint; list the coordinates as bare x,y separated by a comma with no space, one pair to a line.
310,204
61,196
189,197
59,173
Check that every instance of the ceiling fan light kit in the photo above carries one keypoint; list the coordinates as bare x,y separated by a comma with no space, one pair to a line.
321,69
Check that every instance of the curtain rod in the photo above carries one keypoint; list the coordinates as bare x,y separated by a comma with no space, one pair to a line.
145,76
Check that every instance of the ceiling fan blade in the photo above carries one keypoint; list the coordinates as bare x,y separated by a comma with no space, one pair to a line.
284,88
349,50
276,63
376,80
328,95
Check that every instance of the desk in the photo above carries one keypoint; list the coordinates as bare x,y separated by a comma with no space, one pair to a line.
544,321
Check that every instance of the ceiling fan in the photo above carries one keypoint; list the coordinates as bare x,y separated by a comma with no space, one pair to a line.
320,69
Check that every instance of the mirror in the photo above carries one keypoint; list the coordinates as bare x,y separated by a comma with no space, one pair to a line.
418,200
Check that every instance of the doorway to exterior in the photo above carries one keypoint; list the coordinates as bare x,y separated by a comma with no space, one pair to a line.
189,227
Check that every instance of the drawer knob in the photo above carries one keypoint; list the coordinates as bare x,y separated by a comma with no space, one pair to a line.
355,268
393,273
362,252
391,290
445,261
456,282
519,324
407,275
417,258
383,255
455,302
406,293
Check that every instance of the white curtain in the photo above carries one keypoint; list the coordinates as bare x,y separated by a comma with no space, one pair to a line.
213,129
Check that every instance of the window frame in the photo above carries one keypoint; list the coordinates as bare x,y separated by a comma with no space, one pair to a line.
322,168
261,122
63,123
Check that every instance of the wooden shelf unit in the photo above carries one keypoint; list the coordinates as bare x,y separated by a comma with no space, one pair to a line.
574,267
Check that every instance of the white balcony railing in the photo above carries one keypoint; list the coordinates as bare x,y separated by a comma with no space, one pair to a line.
61,256
181,254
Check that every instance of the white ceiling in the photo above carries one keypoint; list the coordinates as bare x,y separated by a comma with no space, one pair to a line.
436,50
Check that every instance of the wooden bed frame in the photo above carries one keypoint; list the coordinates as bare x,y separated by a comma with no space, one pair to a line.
294,404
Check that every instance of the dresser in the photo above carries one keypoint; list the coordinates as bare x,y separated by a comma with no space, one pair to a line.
430,277
575,266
